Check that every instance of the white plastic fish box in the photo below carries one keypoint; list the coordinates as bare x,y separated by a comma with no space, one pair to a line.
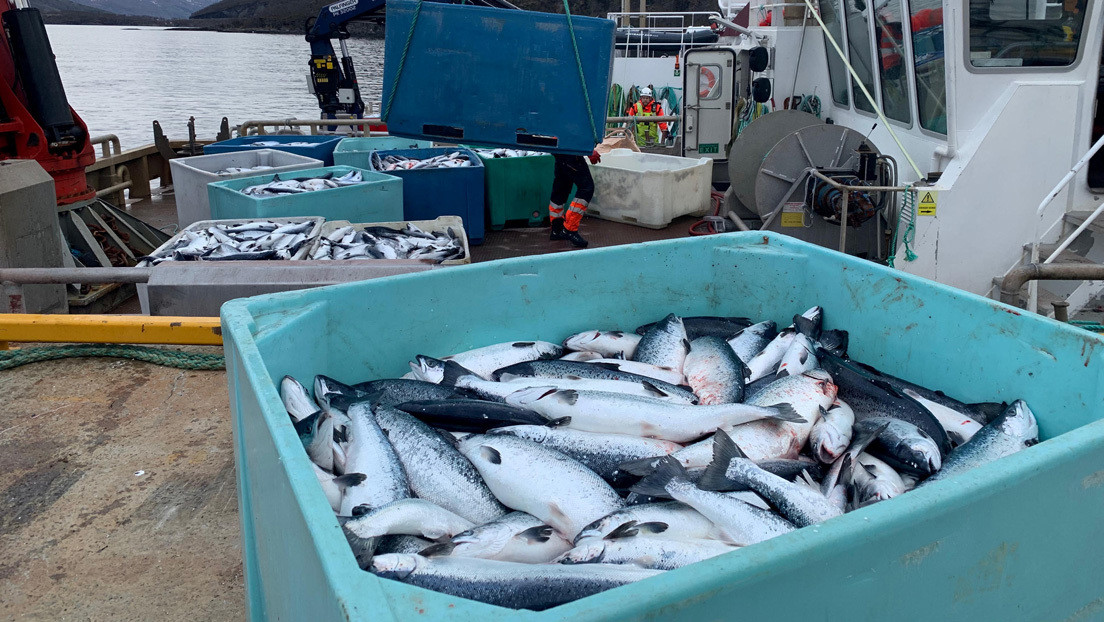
439,224
649,189
312,238
191,176
378,198
1017,539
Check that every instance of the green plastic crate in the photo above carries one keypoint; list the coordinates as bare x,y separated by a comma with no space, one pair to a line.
517,189
1019,539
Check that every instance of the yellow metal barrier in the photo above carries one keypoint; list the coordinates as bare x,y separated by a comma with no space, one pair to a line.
16,327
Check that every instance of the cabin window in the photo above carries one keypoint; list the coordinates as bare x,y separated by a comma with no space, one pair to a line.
859,50
926,20
837,71
709,82
1025,33
889,30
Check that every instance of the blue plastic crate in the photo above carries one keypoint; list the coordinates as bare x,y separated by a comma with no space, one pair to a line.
495,76
322,147
429,193
355,151
378,199
1018,539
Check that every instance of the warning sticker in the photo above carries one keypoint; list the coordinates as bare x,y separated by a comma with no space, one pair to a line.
928,201
793,215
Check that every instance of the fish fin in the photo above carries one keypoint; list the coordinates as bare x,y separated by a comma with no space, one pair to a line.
361,510
524,344
835,341
655,485
540,533
805,326
609,366
626,530
559,423
844,474
654,389
453,371
786,413
862,441
490,454
652,527
441,549
350,479
572,377
639,467
568,396
617,333
823,412
715,475
888,388
275,177
869,468
686,345
341,434
305,425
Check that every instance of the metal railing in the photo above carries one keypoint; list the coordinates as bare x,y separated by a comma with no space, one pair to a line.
106,143
663,23
260,127
1033,288
846,190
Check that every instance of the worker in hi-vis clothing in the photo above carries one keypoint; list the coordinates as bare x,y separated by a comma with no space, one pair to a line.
570,170
647,106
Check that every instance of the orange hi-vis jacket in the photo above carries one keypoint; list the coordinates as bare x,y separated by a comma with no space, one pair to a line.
653,109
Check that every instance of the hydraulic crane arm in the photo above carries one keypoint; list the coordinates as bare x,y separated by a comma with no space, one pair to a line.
333,80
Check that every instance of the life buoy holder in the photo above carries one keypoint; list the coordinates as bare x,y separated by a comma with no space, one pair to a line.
710,77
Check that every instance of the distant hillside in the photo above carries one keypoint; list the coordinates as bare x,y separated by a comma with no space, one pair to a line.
54,7
154,8
290,14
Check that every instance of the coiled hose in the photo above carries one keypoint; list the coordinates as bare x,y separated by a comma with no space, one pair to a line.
717,199
168,358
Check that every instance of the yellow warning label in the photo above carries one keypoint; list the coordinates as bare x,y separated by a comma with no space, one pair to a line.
793,215
928,201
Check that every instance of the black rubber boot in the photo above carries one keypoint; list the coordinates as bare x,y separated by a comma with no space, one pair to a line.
576,240
558,232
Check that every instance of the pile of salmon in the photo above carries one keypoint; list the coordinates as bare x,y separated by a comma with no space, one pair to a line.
530,474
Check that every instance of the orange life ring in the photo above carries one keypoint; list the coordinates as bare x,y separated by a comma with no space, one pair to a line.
712,79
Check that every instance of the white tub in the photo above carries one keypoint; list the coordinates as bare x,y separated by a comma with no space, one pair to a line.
649,189
191,176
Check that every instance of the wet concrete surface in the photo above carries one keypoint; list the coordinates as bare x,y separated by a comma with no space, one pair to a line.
118,494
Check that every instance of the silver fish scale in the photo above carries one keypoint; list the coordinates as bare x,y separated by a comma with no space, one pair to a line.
655,553
1009,433
664,345
369,452
714,371
683,521
799,504
507,584
743,523
436,471
541,481
601,453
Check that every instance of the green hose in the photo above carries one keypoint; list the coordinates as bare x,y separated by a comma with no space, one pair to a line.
169,358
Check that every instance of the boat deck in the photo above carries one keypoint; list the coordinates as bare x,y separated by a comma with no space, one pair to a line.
119,497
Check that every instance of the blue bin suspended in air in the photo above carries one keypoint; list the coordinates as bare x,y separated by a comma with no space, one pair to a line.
499,77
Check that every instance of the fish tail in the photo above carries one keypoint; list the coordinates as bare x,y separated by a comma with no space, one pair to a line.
785,412
715,476
640,467
655,485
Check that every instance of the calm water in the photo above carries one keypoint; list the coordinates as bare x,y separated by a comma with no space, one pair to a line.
119,79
